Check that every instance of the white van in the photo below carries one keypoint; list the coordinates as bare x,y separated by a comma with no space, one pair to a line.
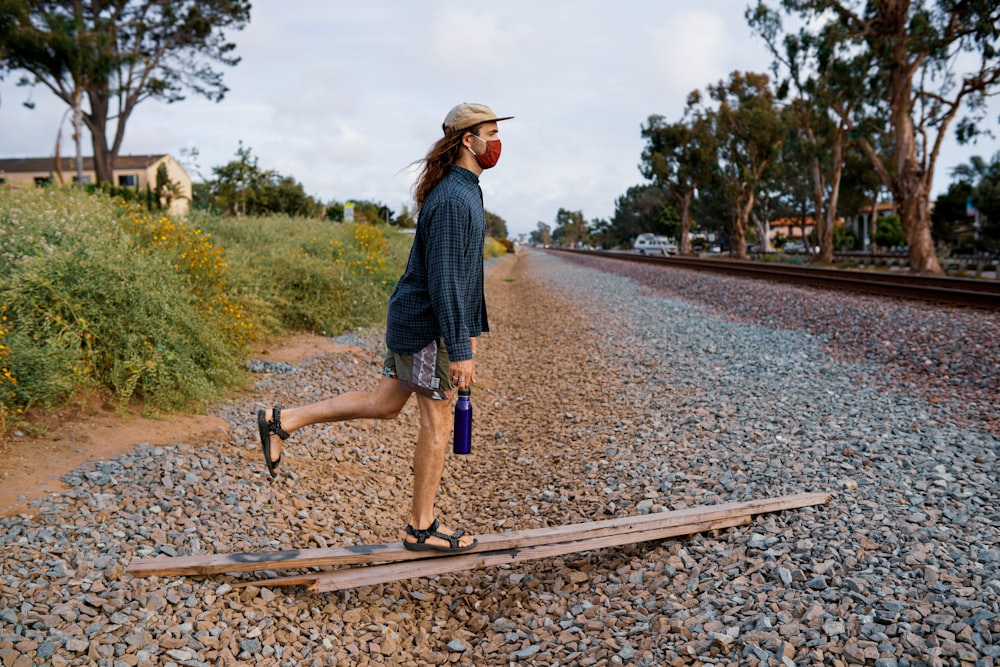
651,244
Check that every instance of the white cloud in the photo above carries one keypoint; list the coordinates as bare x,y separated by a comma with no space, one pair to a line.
465,44
691,50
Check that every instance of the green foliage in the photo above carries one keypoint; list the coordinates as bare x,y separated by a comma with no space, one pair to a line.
166,190
507,244
370,212
978,183
495,226
843,239
240,187
190,254
570,228
889,232
751,134
111,318
949,219
405,219
542,235
890,73
311,274
128,194
681,157
493,248
644,208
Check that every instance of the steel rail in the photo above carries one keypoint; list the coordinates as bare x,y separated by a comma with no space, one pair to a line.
941,289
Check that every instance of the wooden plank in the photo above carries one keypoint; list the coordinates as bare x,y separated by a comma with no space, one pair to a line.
394,552
371,575
461,561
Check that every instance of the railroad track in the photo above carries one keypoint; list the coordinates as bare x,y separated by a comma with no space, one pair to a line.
941,289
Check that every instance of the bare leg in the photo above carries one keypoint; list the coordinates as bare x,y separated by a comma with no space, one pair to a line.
428,465
383,403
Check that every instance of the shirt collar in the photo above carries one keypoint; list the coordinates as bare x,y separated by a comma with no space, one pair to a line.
464,173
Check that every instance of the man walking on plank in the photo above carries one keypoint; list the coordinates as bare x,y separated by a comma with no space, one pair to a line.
436,312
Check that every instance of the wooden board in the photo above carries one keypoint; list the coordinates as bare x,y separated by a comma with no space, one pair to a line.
395,553
370,575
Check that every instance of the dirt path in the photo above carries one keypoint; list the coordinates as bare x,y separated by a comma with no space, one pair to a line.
32,465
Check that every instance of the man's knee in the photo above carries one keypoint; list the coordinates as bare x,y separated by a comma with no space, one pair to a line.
382,406
387,411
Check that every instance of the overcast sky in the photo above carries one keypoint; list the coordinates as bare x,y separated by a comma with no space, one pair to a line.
344,96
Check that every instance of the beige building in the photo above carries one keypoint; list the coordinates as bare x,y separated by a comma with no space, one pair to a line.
134,171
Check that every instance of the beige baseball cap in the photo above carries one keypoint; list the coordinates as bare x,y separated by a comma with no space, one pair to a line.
468,114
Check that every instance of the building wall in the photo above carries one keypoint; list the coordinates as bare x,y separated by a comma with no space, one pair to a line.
138,176
176,173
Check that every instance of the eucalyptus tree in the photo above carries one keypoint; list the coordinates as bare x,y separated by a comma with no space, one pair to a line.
542,235
680,157
119,53
570,228
750,132
907,54
785,190
643,208
826,91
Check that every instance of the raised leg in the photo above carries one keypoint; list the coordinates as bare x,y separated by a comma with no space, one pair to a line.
383,403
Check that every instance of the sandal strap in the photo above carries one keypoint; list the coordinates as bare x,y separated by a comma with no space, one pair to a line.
274,426
432,531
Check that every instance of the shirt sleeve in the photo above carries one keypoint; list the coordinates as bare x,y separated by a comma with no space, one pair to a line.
446,249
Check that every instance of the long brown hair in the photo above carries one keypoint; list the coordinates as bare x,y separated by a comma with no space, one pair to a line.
442,155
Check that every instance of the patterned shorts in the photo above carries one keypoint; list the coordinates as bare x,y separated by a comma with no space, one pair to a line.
425,372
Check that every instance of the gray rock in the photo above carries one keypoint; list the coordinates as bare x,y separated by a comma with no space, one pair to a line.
524,652
456,645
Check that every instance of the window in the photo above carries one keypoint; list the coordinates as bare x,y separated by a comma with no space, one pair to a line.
77,179
42,181
128,180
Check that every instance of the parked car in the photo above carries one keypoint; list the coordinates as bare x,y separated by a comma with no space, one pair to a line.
793,247
651,244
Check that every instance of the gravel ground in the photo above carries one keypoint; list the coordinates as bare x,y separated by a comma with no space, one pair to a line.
600,395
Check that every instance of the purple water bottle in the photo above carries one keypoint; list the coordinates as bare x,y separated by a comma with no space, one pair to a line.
463,422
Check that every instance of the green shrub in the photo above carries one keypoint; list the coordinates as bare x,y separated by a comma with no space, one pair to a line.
889,232
89,303
309,274
493,248
507,244
190,253
109,317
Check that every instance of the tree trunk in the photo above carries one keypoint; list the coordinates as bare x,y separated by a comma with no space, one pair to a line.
912,196
826,238
97,121
911,186
77,123
739,240
923,259
685,248
819,216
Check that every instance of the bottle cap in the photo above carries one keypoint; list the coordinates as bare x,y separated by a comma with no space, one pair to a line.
465,392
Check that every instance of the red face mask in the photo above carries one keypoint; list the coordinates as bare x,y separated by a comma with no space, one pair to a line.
489,158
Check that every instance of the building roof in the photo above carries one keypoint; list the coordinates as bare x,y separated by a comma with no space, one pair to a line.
34,164
793,222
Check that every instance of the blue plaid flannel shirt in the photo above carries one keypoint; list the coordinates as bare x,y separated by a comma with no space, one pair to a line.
440,294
